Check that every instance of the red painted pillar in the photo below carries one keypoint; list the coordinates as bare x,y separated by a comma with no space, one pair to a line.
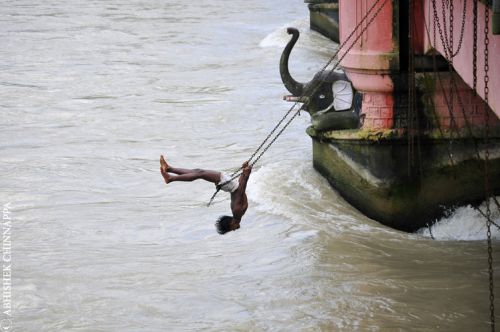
369,62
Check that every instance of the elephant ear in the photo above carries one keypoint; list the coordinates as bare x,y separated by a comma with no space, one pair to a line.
343,95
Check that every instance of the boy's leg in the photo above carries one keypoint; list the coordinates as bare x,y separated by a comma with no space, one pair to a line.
195,174
181,171
167,168
187,174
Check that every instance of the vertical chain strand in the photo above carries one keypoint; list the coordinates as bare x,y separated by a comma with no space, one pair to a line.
409,110
453,123
486,166
474,47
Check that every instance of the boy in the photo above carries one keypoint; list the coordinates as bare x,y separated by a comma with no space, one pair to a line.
239,202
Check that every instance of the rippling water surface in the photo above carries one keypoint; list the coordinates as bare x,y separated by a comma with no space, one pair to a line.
92,92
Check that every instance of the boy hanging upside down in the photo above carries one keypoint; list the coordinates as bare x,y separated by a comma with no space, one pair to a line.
239,203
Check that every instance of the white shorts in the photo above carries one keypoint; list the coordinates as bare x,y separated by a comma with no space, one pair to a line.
230,186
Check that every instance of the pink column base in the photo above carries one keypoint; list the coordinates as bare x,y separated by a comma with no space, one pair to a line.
378,110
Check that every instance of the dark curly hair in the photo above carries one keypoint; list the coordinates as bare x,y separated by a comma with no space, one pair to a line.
223,224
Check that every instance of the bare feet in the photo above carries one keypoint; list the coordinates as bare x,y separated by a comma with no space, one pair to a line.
165,175
164,170
164,164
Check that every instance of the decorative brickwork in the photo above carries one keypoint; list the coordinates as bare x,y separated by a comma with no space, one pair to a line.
463,96
377,110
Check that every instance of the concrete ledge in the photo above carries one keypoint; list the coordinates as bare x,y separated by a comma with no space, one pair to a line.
374,177
324,18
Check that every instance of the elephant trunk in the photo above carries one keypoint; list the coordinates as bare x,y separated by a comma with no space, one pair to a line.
291,85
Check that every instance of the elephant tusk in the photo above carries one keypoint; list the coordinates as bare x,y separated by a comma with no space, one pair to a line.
295,99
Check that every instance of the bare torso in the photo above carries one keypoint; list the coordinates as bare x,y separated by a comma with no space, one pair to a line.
239,203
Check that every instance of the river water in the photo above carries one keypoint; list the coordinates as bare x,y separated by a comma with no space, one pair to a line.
92,92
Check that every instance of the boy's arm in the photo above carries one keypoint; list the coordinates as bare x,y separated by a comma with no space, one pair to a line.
245,175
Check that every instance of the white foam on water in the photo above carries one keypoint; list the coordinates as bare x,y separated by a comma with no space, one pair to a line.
279,37
295,191
281,189
464,224
309,40
302,235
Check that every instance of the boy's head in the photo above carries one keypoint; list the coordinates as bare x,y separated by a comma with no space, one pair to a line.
226,224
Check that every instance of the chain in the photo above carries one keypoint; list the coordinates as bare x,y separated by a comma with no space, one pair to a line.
490,273
436,72
309,91
462,29
486,214
486,217
412,116
430,231
453,123
433,28
461,103
450,45
474,48
448,42
486,166
409,114
444,42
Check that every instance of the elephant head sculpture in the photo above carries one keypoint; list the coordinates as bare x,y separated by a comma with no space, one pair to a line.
328,97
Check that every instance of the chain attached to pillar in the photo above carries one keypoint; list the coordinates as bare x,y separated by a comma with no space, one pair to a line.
474,47
487,192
